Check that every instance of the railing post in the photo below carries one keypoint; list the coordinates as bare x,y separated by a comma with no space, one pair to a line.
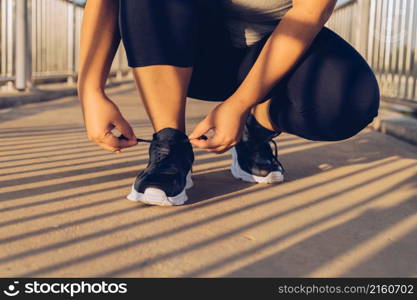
71,44
29,64
22,45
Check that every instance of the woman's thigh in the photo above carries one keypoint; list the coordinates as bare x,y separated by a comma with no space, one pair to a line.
182,33
158,32
331,94
217,61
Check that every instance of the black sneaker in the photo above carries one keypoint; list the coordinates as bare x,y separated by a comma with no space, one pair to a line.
168,173
253,159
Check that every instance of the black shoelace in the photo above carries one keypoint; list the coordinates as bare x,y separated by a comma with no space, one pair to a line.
139,140
203,137
162,152
275,155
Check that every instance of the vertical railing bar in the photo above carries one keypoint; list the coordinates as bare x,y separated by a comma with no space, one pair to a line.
376,40
396,30
21,50
394,70
383,42
361,12
48,37
44,50
388,43
409,43
33,33
3,38
56,45
71,43
371,33
401,58
414,60
29,45
38,38
11,39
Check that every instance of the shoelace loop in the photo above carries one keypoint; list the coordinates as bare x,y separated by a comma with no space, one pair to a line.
275,154
161,154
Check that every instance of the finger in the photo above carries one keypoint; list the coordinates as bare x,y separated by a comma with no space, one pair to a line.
126,130
114,142
220,150
225,146
108,148
202,128
211,143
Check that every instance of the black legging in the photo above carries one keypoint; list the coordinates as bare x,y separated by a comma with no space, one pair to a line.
331,94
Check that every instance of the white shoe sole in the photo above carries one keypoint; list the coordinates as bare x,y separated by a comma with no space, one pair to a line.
155,196
238,173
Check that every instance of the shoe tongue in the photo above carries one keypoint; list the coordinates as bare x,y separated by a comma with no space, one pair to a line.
169,135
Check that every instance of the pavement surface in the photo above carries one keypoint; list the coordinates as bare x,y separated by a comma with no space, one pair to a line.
347,208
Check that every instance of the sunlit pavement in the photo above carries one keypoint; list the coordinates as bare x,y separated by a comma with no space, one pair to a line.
346,209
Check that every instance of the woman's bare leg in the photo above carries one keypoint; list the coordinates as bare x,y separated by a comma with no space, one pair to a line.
163,89
261,114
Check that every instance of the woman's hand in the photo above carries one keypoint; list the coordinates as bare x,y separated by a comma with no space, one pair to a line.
226,120
101,116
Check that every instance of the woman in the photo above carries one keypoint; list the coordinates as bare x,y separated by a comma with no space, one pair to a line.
271,62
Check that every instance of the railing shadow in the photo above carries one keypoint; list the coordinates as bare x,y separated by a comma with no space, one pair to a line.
214,188
363,246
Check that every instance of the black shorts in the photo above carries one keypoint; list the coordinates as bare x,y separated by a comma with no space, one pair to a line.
331,93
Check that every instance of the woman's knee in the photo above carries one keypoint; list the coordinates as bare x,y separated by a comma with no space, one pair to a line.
330,114
333,91
362,101
351,113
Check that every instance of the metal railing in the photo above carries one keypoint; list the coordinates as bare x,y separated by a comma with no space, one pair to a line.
385,32
48,50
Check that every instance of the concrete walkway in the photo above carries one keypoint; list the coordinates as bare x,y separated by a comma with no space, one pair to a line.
347,208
